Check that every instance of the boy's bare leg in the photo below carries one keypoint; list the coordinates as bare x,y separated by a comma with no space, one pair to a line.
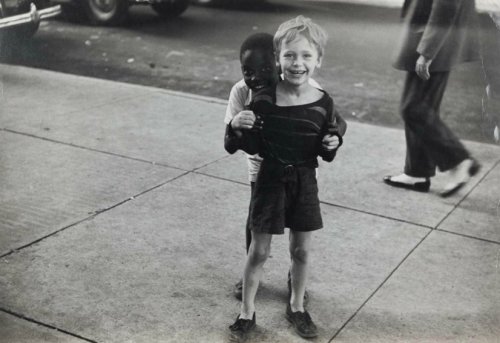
238,287
289,281
256,257
302,322
300,243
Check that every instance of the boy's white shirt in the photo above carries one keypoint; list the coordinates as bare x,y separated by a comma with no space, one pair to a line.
239,98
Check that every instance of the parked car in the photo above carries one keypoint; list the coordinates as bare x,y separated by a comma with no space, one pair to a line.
114,12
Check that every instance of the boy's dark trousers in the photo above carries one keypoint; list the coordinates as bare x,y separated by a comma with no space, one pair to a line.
429,142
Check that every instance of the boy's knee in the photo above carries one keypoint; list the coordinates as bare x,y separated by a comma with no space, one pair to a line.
299,254
258,255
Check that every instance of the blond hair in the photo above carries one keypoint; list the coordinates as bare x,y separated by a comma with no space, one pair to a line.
301,25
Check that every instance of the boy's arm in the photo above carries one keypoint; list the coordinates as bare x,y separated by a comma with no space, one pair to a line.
247,140
235,104
236,101
335,126
232,142
341,125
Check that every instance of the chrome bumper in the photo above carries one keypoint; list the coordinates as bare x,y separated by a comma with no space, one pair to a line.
33,16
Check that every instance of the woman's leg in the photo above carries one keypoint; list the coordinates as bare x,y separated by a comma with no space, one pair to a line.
429,141
300,243
256,257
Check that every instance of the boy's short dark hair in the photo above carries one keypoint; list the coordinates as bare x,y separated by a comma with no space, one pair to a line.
258,41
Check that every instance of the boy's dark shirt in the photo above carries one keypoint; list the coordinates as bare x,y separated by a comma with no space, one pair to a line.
292,135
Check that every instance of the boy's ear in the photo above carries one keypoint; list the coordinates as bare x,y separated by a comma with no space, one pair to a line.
320,59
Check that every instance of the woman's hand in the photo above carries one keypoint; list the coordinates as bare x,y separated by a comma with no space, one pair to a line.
422,68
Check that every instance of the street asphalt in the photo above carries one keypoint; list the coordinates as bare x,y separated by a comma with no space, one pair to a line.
122,220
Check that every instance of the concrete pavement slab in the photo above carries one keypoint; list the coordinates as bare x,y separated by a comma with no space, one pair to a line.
479,214
46,186
233,167
161,268
354,179
383,3
154,125
446,291
35,96
16,330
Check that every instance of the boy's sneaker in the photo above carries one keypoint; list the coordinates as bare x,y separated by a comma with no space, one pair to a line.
289,284
241,328
302,323
238,290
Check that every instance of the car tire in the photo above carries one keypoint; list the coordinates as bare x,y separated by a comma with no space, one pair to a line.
170,8
106,12
74,12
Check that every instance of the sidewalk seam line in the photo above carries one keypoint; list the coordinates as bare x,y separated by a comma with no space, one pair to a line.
27,245
194,170
91,149
485,240
380,286
424,226
92,216
467,194
31,320
221,178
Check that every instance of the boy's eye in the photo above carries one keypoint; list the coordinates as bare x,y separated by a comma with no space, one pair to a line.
247,72
267,70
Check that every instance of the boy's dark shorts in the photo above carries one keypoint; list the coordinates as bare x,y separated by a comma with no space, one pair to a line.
285,197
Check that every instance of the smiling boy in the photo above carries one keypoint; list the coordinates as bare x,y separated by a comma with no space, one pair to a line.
259,70
296,117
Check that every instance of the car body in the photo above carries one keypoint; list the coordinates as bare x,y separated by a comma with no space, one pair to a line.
115,12
23,17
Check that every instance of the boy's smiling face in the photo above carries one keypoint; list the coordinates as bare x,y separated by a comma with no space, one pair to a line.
298,60
259,70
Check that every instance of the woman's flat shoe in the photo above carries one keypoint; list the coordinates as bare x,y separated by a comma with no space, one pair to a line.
422,186
454,187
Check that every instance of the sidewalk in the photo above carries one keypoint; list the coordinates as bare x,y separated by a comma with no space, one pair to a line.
381,3
481,5
122,218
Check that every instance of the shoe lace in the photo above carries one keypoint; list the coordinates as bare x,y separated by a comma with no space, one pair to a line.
307,318
240,324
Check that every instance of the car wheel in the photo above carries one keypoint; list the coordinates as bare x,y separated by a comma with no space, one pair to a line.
170,8
106,12
74,12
